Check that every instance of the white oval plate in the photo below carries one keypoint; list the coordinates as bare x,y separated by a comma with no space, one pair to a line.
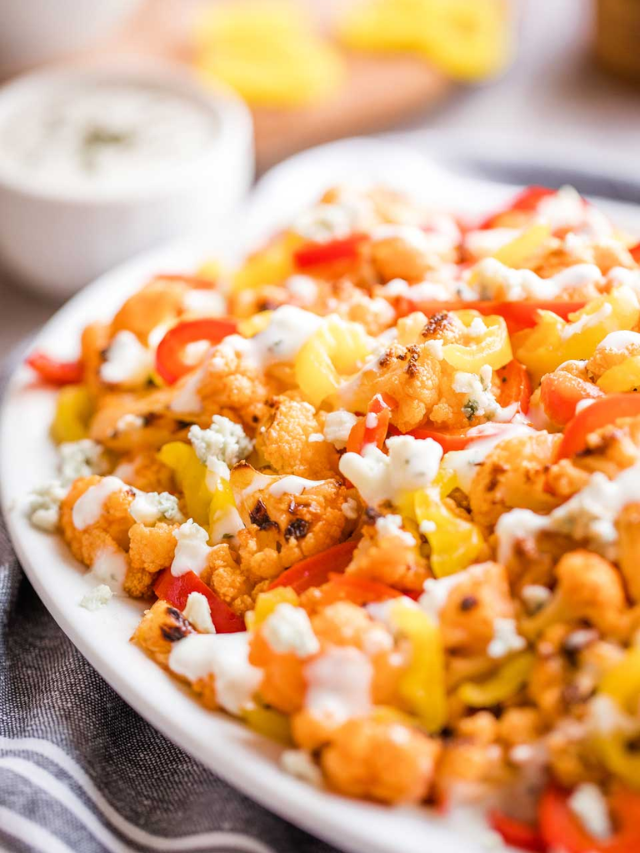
27,458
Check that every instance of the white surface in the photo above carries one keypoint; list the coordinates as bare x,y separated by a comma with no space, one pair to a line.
57,242
34,31
27,458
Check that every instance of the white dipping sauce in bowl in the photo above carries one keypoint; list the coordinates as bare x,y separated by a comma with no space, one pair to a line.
103,136
100,163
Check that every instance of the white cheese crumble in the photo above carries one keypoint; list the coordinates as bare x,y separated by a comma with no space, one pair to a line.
303,288
298,763
505,639
477,391
339,685
198,613
327,221
288,630
315,437
589,805
149,507
280,342
391,525
535,597
410,464
486,242
80,459
620,341
88,508
226,657
493,279
43,505
350,509
605,717
127,362
97,598
337,426
435,349
221,446
437,590
192,550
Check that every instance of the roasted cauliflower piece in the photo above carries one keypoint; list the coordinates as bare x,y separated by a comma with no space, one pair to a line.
151,549
290,440
390,555
113,520
160,627
381,760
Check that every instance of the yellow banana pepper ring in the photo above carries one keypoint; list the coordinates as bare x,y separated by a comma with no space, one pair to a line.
337,347
270,723
509,679
516,253
73,413
621,377
269,265
191,476
267,602
492,348
455,543
422,685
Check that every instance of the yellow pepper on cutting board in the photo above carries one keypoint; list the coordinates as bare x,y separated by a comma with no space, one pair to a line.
269,52
466,39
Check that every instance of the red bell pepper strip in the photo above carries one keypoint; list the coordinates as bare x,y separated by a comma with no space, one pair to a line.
457,440
316,254
561,829
55,372
517,315
560,393
634,251
176,591
362,590
374,426
527,200
515,385
315,571
604,411
170,362
516,832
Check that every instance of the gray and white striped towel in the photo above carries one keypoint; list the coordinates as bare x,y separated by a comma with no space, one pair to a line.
80,772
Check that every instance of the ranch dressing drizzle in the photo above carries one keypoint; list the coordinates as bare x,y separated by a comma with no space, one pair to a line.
104,136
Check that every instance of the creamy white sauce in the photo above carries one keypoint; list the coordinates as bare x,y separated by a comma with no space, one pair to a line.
200,301
110,568
149,507
587,321
298,763
292,485
187,398
339,685
226,657
493,279
589,805
437,590
127,362
192,550
620,341
103,136
486,242
227,525
88,508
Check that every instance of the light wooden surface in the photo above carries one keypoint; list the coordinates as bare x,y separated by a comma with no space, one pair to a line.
379,91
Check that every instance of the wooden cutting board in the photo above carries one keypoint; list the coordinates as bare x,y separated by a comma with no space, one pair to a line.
379,93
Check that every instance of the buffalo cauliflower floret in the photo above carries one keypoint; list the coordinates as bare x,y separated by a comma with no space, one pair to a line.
144,471
114,519
390,555
514,475
612,448
227,579
381,760
628,526
286,520
151,549
159,302
589,588
160,627
290,440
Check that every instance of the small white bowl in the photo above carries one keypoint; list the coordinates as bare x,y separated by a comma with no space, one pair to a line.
56,241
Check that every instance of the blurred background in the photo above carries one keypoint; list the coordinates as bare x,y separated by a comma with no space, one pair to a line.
523,91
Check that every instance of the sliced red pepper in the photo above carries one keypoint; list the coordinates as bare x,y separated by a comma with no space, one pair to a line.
457,440
517,315
526,200
560,393
516,832
55,372
315,571
515,385
561,829
634,251
170,362
604,411
317,254
176,590
372,430
358,590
